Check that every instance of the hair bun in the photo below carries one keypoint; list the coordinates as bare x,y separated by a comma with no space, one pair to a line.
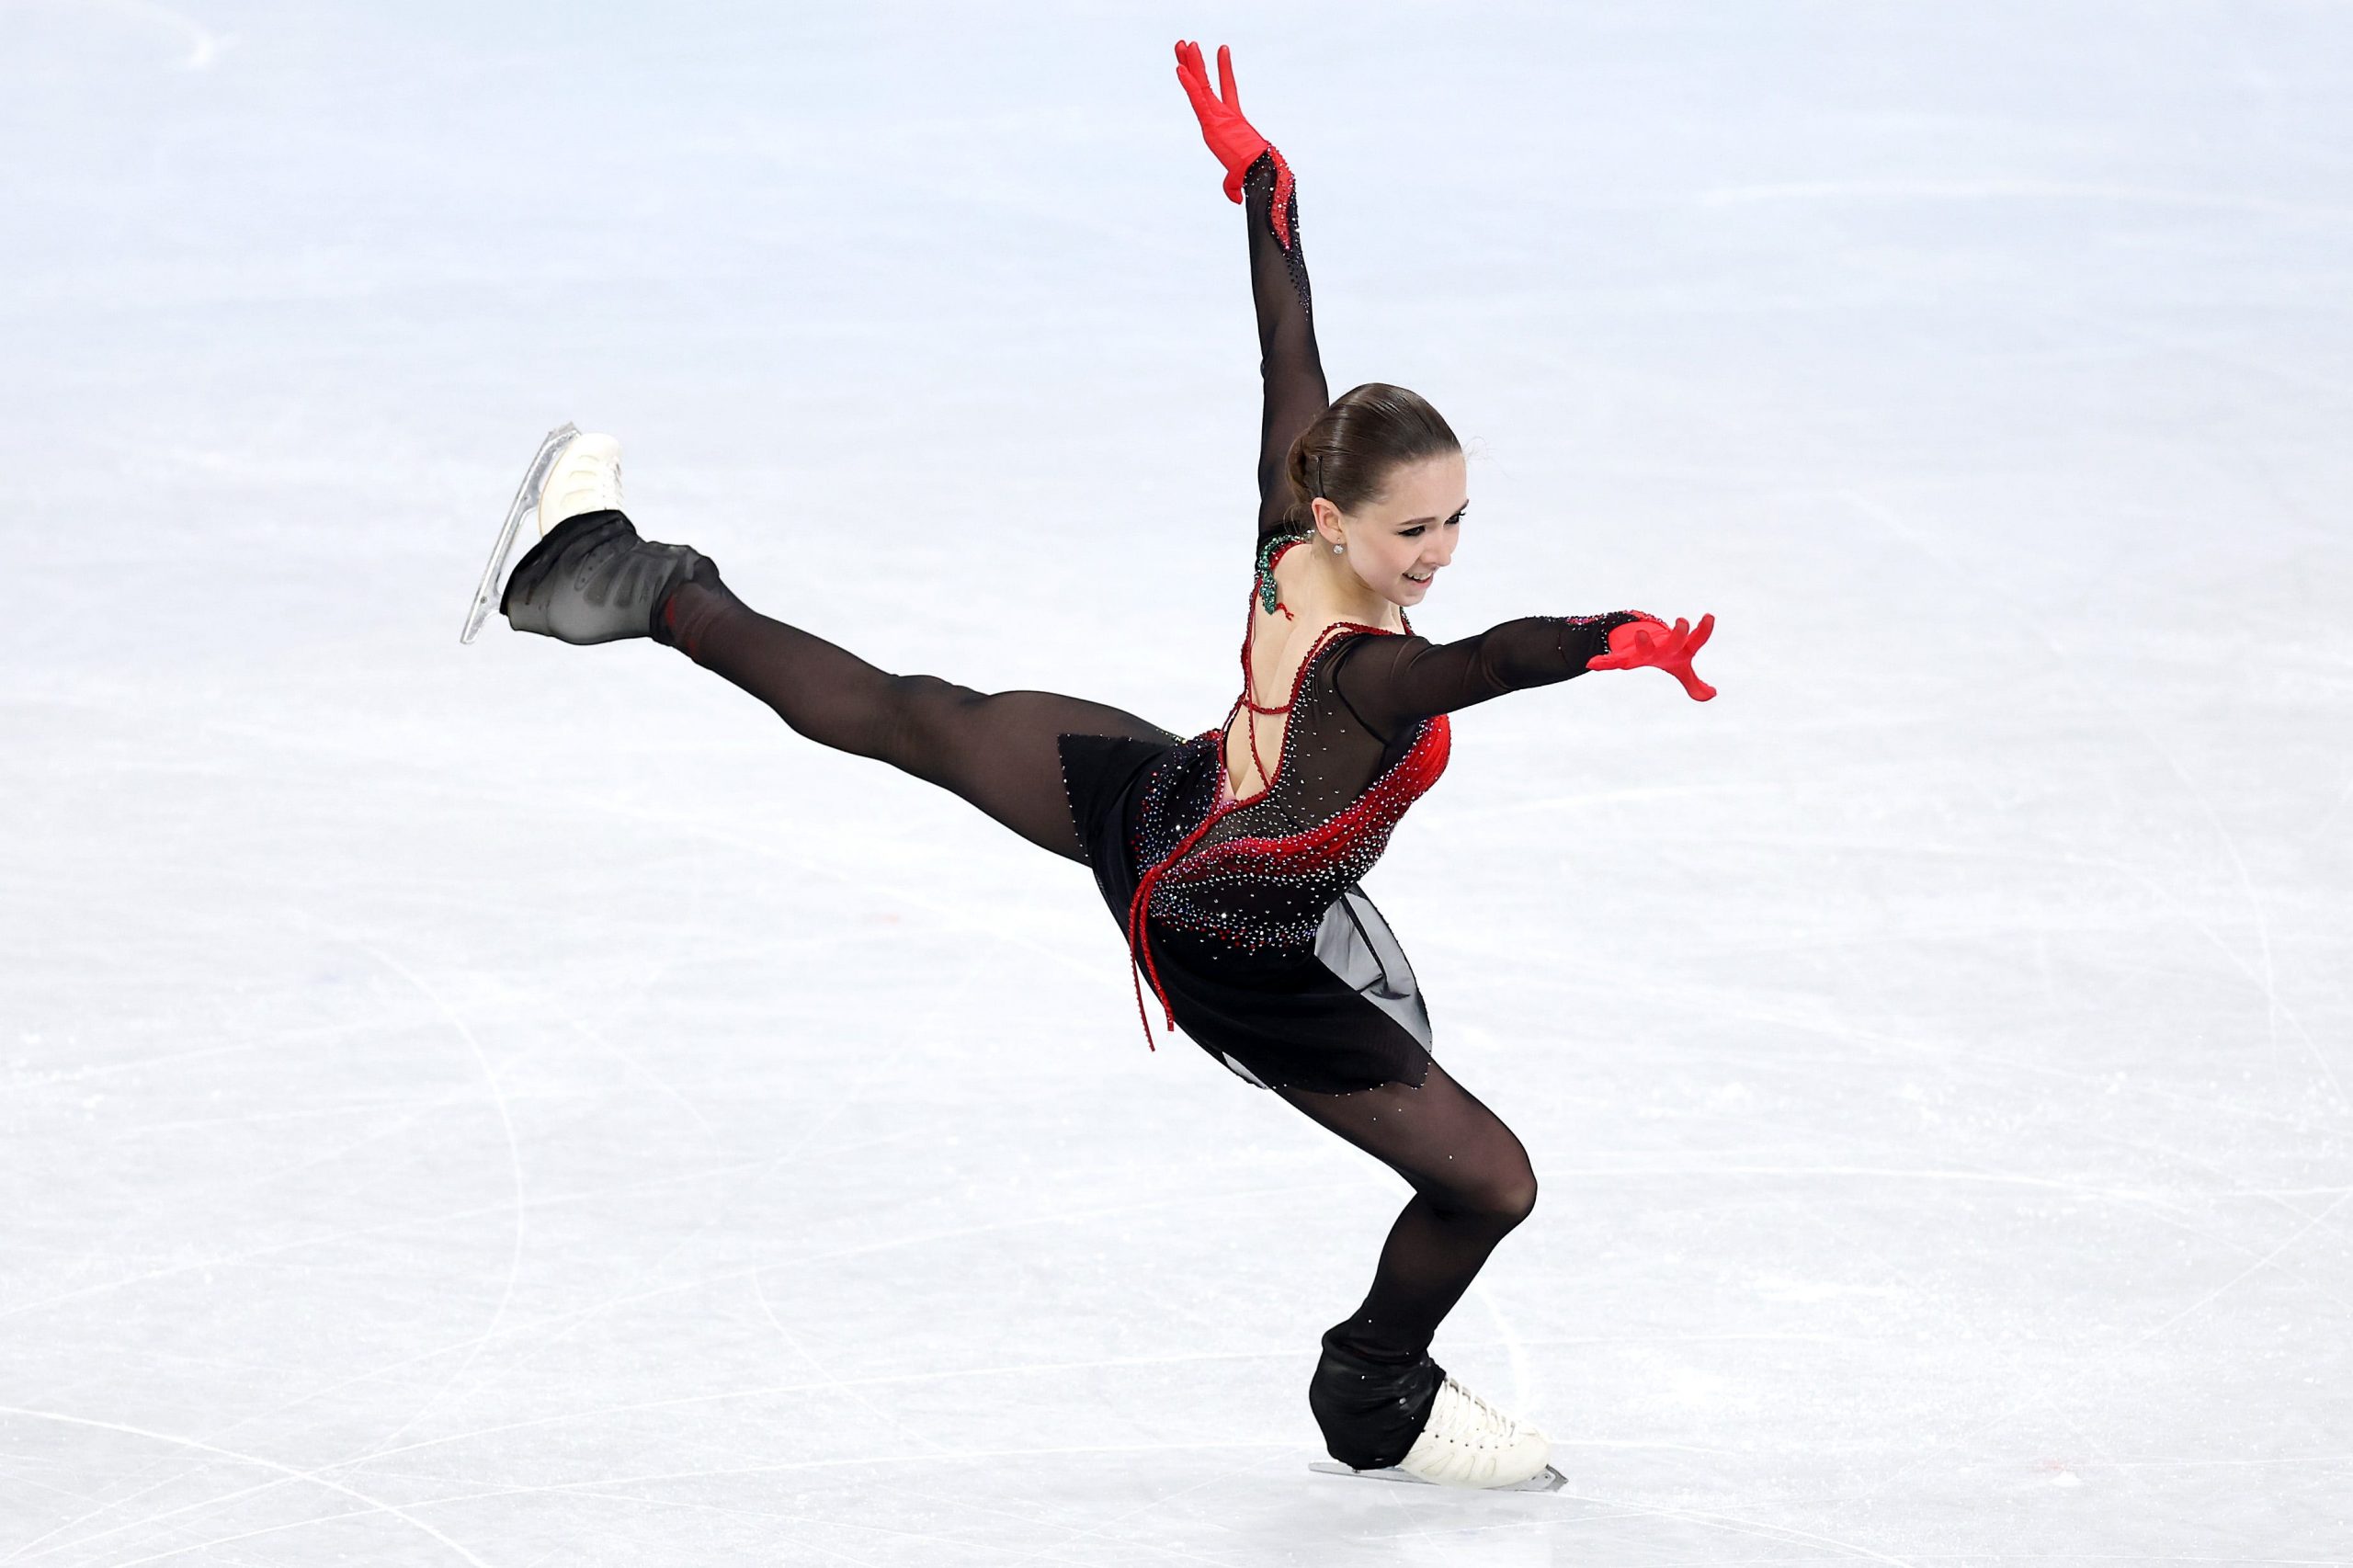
1347,453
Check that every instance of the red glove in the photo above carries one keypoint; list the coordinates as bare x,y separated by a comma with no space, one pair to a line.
1237,146
1636,643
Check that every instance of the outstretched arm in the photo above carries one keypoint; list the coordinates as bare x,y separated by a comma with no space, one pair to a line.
1257,176
1390,681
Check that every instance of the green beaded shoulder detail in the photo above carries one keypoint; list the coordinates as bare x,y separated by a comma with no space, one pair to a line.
1267,595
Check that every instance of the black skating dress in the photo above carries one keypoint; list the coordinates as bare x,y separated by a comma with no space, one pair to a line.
1246,916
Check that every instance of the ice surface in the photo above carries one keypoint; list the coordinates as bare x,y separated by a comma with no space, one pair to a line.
519,1105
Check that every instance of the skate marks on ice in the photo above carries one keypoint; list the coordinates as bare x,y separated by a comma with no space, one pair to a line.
526,501
1547,1479
1552,1481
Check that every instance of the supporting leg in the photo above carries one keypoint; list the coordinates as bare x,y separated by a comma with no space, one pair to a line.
1472,1185
1375,1384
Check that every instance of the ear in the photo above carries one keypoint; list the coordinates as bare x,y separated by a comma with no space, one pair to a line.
1326,518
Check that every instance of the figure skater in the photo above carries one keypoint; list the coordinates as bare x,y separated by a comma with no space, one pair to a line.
1231,860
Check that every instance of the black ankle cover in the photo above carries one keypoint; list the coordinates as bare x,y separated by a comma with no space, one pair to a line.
693,607
1370,1411
592,579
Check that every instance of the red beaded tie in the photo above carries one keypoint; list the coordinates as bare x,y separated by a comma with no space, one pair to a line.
1317,851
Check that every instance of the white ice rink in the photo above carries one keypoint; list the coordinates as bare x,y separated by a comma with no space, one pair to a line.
521,1105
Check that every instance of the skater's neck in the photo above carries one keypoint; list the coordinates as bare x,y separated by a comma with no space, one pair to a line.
1326,591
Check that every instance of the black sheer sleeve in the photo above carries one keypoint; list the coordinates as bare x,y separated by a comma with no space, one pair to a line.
1389,681
1288,362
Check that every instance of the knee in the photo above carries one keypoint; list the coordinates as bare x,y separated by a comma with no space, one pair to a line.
919,708
1503,1196
919,693
1517,1200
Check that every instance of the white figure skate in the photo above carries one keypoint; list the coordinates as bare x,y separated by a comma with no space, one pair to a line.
527,496
589,578
1468,1442
586,478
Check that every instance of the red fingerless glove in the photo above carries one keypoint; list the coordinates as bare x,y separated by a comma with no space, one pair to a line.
1229,136
1637,644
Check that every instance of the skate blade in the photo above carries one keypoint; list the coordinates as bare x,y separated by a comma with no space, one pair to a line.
1546,1480
526,501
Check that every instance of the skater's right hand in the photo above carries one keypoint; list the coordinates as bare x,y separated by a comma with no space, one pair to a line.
1637,644
1229,136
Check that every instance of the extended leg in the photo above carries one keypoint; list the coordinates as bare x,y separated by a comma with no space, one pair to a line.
996,750
591,579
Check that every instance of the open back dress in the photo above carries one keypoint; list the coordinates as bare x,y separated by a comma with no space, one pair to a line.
1245,914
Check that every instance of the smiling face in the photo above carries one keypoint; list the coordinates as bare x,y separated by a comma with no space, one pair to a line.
1399,541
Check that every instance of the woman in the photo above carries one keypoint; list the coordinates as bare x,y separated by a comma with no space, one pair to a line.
1232,859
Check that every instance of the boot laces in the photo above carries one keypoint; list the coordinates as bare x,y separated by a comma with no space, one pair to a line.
1482,1416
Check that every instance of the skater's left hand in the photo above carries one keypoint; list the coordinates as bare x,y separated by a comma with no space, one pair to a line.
1637,644
1229,136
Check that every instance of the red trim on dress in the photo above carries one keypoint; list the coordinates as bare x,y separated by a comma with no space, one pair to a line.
1315,848
1280,210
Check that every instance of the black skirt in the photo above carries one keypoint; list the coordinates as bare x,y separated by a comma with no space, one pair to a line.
1347,1016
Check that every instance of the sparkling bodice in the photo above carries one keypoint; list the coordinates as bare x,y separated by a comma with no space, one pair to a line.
1258,871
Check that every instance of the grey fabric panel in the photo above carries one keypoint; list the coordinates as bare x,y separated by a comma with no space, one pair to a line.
1355,943
1239,1070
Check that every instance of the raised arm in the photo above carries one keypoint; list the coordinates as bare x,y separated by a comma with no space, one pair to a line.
1390,681
1288,365
1257,176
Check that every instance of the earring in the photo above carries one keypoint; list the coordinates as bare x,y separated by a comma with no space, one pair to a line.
1338,548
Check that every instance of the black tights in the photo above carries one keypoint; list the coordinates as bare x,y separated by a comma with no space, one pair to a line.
1471,1177
1471,1184
997,751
